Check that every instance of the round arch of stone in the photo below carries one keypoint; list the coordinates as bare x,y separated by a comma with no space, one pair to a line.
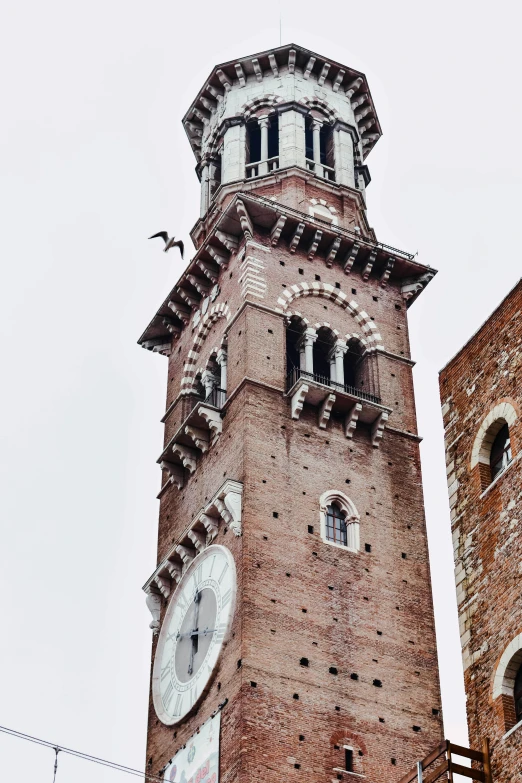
372,338
189,370
322,107
266,102
503,413
508,666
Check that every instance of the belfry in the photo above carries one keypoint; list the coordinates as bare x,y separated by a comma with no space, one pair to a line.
293,632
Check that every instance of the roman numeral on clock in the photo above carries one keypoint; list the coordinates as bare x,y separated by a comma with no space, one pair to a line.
221,576
226,597
167,695
165,672
193,694
178,704
219,633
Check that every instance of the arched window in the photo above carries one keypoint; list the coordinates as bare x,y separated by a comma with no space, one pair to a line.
353,365
319,147
262,140
500,452
339,521
518,695
507,683
336,525
322,353
492,447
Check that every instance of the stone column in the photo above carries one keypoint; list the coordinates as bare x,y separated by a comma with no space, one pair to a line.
339,350
264,124
204,191
221,359
209,381
306,346
234,154
316,131
292,147
343,151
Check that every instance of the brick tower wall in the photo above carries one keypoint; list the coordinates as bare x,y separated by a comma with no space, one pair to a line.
480,387
363,621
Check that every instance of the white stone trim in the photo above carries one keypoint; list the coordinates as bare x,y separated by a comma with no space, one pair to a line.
352,519
189,370
372,339
508,666
503,413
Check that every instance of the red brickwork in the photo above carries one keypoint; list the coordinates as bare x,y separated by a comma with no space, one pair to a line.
363,621
486,524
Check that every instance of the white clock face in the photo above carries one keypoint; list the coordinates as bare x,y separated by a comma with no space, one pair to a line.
195,627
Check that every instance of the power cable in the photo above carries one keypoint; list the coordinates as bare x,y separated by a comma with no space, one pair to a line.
78,754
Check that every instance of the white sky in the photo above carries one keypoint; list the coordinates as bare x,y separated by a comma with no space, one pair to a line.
94,159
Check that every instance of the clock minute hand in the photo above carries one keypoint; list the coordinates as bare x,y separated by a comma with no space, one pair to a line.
194,633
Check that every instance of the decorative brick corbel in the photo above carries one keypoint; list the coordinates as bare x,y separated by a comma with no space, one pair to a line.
186,554
181,311
228,240
214,421
175,473
350,421
211,524
244,219
350,258
325,410
200,438
198,539
153,602
228,504
276,230
378,429
296,237
186,455
298,398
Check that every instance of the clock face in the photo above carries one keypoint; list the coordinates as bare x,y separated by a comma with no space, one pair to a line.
195,627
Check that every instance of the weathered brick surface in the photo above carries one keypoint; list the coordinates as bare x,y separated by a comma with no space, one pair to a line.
486,524
367,614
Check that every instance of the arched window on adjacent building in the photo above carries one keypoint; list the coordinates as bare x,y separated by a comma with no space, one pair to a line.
492,447
518,695
262,139
500,452
339,521
507,684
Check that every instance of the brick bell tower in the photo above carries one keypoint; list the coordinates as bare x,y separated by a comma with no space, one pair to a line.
292,591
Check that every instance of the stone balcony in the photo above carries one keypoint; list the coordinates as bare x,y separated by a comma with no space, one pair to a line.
353,404
195,436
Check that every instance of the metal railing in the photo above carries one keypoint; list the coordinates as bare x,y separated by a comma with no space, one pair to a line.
440,765
295,374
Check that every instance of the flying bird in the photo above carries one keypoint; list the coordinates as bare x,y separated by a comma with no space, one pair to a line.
169,242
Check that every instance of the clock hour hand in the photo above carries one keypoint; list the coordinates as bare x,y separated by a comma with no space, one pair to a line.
194,635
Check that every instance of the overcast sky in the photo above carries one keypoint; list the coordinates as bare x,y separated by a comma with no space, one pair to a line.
93,160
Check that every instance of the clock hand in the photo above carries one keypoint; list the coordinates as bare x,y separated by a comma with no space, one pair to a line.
194,634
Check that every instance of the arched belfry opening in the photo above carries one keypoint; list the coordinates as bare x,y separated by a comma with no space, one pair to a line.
353,365
322,352
262,145
319,147
501,455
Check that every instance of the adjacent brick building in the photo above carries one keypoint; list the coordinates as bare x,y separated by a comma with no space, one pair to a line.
291,440
481,394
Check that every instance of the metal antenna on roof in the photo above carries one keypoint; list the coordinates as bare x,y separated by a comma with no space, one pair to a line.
280,23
